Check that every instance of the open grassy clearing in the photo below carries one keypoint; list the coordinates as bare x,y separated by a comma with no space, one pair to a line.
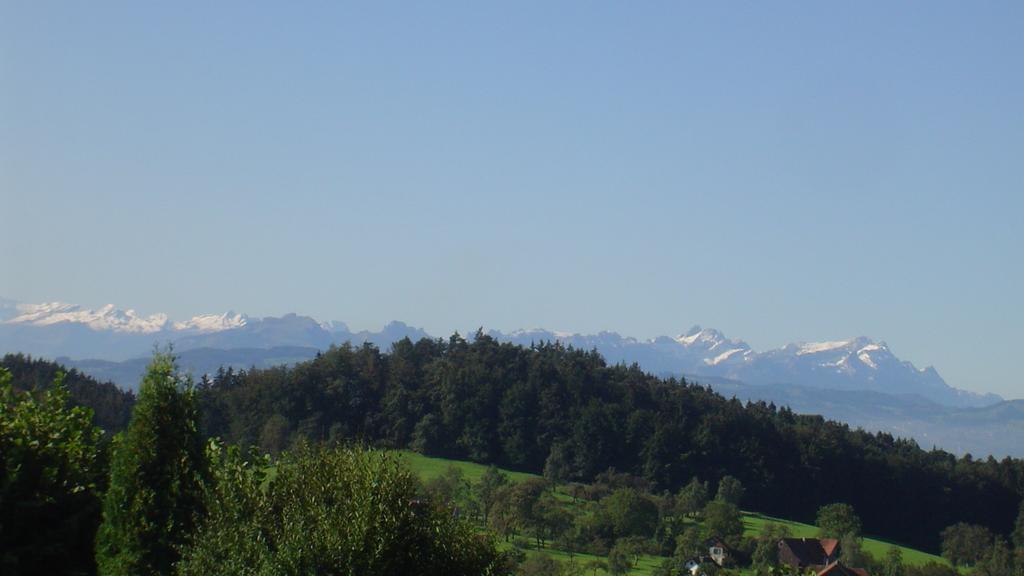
428,467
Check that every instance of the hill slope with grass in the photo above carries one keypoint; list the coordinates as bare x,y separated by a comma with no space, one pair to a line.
433,470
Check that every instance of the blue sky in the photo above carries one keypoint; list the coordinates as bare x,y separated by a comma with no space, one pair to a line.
804,171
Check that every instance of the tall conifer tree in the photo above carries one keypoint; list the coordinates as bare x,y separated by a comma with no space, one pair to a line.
156,479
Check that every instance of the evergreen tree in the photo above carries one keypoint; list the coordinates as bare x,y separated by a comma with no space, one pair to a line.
156,479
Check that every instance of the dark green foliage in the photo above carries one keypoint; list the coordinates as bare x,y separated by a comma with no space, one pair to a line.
540,565
51,468
626,512
838,520
486,490
765,558
892,564
965,544
157,473
692,498
996,561
730,490
723,520
689,545
930,568
620,559
329,512
523,408
110,406
1017,539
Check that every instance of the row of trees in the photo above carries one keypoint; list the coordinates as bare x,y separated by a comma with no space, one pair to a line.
567,414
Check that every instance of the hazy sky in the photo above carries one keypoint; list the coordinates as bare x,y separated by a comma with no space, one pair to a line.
782,172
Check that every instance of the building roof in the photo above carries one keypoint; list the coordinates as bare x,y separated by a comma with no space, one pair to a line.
808,551
829,545
839,569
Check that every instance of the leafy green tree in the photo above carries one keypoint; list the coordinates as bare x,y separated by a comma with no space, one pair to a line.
689,545
997,560
450,488
558,466
330,512
549,519
852,552
627,512
765,558
486,490
892,565
620,559
1018,531
158,469
275,434
837,520
964,544
502,517
523,499
51,467
692,498
730,490
723,520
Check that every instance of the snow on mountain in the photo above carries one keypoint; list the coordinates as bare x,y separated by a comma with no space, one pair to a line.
59,329
106,318
111,318
212,322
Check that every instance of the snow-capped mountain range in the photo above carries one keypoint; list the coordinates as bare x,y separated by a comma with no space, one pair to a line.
108,333
114,319
858,381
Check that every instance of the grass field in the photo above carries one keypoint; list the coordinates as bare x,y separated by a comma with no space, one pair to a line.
427,467
754,522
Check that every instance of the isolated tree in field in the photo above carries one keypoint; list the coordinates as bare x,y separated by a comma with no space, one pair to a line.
157,473
838,520
964,544
50,473
730,490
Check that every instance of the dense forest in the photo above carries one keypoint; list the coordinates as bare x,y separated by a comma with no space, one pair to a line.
111,406
568,414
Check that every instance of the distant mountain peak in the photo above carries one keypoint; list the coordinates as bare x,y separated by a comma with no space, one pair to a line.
212,322
61,329
107,317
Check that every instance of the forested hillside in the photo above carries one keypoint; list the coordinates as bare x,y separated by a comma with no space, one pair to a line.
565,412
111,406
